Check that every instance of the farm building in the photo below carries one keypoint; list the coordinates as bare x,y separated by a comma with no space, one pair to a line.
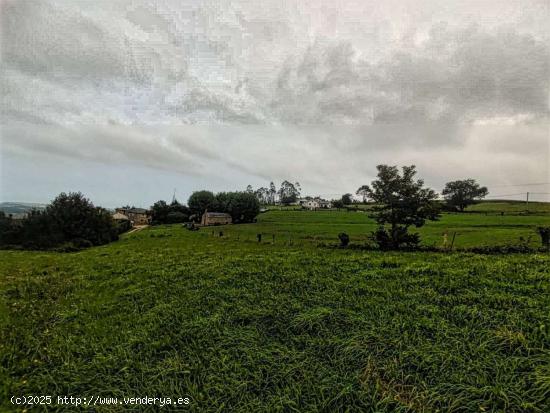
117,216
215,218
137,216
316,203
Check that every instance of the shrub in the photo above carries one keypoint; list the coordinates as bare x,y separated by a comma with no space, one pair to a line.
388,241
123,226
344,239
544,233
176,217
70,218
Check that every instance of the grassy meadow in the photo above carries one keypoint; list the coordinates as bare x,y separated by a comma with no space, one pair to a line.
284,326
485,224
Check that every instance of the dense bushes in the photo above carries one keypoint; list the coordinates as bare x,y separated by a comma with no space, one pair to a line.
162,213
201,201
242,206
387,240
71,221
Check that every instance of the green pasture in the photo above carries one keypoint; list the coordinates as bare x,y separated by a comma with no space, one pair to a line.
471,229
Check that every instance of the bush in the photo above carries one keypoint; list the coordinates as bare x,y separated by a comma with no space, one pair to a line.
501,249
175,213
70,218
344,239
176,217
544,233
401,236
123,226
81,243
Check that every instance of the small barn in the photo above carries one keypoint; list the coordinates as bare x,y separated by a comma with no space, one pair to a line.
215,218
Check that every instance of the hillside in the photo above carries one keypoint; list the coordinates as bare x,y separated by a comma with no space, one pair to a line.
242,326
19,207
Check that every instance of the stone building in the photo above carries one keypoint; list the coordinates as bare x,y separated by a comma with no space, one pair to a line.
215,218
137,216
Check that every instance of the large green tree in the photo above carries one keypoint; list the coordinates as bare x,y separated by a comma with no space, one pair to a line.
289,192
347,199
159,212
162,213
201,201
462,193
400,202
242,206
362,191
70,218
77,218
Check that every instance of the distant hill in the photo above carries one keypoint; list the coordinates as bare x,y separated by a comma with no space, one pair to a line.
19,208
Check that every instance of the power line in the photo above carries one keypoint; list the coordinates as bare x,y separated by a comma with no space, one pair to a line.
518,194
529,184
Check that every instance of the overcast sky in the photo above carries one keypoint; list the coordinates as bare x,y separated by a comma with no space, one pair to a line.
127,100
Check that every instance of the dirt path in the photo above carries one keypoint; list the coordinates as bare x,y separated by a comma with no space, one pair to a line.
137,228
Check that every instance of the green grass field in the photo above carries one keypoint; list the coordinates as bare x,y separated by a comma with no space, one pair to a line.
240,326
484,228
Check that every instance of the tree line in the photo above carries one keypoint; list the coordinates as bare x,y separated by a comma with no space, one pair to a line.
399,202
71,221
287,193
242,206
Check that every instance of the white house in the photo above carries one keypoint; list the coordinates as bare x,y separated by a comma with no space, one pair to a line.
316,203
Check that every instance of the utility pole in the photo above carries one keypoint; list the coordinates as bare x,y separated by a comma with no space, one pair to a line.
527,202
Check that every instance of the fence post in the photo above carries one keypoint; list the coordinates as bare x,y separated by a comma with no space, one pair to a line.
453,241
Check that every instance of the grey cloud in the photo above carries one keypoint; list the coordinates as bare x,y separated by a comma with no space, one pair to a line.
453,75
478,74
111,144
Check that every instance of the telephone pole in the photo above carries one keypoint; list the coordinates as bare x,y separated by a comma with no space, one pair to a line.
527,202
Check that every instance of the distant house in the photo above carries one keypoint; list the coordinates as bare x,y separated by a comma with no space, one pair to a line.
324,204
316,203
215,218
137,216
